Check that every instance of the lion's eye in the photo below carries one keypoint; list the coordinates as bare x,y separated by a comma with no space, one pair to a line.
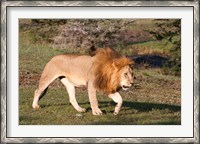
126,74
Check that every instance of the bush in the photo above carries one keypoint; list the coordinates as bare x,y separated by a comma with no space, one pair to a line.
84,33
171,31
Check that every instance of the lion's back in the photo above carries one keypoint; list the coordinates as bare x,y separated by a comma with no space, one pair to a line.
77,68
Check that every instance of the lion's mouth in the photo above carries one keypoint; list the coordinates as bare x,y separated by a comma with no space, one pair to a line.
125,87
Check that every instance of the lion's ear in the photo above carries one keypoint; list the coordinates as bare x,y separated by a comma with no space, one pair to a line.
92,51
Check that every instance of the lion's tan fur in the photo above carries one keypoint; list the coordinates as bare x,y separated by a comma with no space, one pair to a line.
102,71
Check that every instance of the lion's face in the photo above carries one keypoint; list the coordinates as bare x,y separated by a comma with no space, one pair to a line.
126,77
112,71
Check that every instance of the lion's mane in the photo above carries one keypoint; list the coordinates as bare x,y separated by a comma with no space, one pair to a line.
107,66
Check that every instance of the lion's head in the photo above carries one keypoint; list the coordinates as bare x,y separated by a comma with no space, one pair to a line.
112,71
126,77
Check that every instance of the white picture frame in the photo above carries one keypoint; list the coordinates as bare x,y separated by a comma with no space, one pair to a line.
6,54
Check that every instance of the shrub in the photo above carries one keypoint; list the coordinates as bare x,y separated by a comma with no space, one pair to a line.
170,29
84,33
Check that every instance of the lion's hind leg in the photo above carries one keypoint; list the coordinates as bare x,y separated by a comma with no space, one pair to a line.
38,94
43,85
118,99
71,91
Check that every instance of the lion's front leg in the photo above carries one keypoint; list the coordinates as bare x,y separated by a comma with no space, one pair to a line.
118,99
93,99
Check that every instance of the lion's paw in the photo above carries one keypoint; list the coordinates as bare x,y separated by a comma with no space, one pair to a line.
81,109
97,111
36,106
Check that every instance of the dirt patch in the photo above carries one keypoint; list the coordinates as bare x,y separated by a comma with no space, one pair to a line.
27,78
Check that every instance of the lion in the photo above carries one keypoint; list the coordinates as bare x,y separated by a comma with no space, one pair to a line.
105,70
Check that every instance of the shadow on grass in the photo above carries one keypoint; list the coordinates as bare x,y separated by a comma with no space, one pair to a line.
143,106
134,113
139,106
153,60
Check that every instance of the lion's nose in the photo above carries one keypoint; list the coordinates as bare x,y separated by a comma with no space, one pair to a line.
131,82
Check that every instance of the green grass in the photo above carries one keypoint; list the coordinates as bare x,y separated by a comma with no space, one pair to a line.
56,110
34,56
155,99
149,47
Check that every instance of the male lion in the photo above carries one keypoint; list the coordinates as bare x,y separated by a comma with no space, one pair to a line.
105,70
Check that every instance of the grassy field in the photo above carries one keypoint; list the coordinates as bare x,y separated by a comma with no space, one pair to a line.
155,99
